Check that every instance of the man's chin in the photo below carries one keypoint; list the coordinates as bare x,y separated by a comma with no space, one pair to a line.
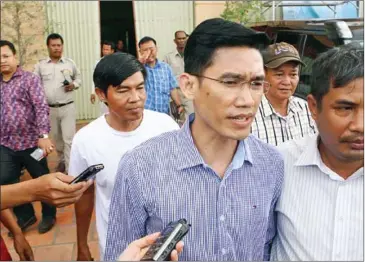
354,155
135,116
240,135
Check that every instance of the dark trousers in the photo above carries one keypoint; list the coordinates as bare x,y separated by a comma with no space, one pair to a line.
11,164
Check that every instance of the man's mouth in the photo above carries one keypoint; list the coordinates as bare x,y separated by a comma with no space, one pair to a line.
241,120
357,144
135,109
240,117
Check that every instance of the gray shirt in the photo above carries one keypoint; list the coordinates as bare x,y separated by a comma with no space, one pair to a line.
176,61
53,75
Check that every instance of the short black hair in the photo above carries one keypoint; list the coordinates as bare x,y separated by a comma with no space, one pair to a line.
336,68
9,44
215,33
145,40
54,36
107,42
180,31
115,68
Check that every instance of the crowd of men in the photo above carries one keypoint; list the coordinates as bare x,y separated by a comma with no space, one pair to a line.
259,173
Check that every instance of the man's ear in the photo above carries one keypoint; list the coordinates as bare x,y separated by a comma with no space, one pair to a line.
313,106
100,93
188,85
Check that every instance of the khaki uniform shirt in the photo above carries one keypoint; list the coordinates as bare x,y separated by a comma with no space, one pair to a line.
53,75
176,61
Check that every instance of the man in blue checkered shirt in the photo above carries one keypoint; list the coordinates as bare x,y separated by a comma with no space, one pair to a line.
161,82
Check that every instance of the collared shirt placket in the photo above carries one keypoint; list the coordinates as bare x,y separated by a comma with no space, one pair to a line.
338,248
223,211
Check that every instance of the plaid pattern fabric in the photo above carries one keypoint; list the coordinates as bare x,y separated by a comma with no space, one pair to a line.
160,82
275,129
166,178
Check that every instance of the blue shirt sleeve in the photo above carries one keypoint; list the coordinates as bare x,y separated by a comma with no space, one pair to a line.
127,215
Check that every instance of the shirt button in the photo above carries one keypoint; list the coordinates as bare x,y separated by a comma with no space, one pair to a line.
224,251
222,218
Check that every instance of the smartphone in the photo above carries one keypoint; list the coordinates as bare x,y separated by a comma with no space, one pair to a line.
165,244
87,174
38,154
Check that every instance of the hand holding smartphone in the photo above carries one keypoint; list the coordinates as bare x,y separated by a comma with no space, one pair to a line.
88,173
170,236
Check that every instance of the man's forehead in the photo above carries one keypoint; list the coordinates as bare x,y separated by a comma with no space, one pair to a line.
180,34
5,49
353,91
240,58
55,41
148,44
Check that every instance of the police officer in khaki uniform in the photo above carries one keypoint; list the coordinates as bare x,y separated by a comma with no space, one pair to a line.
176,60
60,78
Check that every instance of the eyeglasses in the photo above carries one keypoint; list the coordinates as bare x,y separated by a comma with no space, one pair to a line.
257,87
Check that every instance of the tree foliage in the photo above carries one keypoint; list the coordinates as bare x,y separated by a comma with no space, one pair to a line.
243,12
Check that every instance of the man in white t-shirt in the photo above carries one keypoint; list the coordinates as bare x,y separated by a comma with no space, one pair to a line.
107,48
119,80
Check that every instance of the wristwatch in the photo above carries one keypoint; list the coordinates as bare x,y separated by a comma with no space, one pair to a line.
43,136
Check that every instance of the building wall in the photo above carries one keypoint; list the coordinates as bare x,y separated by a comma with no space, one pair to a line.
161,19
207,9
31,33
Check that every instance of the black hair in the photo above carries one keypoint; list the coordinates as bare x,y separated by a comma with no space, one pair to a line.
107,42
336,68
9,44
145,40
180,31
115,68
54,36
215,33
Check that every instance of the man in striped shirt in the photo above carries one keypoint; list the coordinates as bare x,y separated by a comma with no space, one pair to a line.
212,172
321,207
282,116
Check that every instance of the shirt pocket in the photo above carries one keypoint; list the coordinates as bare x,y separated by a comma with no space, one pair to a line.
46,74
164,84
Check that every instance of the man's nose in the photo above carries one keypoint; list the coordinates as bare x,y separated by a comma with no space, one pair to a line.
286,80
357,123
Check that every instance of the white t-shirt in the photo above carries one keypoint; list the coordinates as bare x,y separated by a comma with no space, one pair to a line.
98,143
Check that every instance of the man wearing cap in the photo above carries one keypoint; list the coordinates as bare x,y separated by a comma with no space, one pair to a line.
282,116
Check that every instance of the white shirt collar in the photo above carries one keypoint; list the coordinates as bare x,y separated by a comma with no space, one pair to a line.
269,110
311,157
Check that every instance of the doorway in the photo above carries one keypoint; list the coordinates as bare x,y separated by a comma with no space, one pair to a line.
117,23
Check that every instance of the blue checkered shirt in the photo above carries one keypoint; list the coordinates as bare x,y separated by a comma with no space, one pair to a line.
166,178
160,82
